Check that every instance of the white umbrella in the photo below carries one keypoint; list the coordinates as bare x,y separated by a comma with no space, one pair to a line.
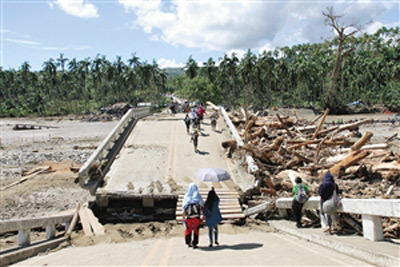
212,175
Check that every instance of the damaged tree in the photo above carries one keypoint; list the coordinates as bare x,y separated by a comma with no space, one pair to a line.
344,48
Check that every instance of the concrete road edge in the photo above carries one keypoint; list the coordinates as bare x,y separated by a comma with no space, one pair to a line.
351,250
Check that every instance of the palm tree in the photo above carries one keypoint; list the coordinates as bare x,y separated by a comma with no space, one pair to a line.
211,70
191,68
247,72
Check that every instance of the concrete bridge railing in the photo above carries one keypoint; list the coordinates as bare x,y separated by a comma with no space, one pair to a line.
371,211
100,161
252,167
24,226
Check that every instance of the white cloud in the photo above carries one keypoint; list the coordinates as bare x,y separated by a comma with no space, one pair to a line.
22,42
78,8
239,25
169,63
38,45
375,26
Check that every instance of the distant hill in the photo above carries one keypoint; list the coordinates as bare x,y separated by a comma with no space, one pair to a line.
172,72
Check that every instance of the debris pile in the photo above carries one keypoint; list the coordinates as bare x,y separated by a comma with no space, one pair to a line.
281,145
115,111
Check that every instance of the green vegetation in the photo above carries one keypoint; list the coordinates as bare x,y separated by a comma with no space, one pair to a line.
305,75
298,76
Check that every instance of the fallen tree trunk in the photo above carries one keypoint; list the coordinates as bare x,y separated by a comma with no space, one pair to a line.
352,126
320,124
362,141
349,160
259,208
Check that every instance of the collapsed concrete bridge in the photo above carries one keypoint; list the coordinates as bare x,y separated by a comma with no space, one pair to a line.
143,167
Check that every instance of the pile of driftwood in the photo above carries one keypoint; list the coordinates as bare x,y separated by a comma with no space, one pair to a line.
309,148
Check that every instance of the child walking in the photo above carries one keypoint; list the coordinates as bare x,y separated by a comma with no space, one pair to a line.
212,216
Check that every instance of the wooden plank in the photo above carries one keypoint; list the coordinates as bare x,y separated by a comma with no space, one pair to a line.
85,221
33,173
74,220
204,195
225,206
225,211
225,199
218,193
224,216
97,227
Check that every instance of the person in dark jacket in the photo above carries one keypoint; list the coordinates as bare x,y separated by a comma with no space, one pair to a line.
212,215
325,191
187,123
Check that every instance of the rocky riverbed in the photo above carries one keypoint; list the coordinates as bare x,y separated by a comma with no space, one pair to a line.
61,145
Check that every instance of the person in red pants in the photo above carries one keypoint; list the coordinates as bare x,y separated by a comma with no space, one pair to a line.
192,208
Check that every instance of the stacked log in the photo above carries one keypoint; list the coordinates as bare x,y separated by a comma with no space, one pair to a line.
310,148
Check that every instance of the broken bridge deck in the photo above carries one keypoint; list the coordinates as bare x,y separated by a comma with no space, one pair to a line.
158,162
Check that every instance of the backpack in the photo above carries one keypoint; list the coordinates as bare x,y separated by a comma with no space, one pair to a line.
193,211
187,120
301,195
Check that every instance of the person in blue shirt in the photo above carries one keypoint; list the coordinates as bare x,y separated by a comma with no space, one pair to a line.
212,215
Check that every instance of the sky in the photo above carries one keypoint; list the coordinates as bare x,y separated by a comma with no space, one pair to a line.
168,32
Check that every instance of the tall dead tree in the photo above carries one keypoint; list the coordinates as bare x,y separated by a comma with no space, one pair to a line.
344,48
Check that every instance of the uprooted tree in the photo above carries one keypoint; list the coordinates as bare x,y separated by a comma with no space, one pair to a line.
344,48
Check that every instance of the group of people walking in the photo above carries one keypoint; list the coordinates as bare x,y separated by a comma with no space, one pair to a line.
193,118
195,210
328,192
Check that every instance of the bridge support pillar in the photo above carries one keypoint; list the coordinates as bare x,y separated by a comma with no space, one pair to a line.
50,231
24,237
372,227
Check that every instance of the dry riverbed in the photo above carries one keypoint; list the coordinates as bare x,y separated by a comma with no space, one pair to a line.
62,144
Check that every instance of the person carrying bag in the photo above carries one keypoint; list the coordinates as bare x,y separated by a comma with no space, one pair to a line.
330,203
192,209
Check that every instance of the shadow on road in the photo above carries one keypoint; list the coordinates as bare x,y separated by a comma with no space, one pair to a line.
202,152
244,246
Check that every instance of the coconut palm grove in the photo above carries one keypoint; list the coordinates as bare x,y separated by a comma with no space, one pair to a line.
350,68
